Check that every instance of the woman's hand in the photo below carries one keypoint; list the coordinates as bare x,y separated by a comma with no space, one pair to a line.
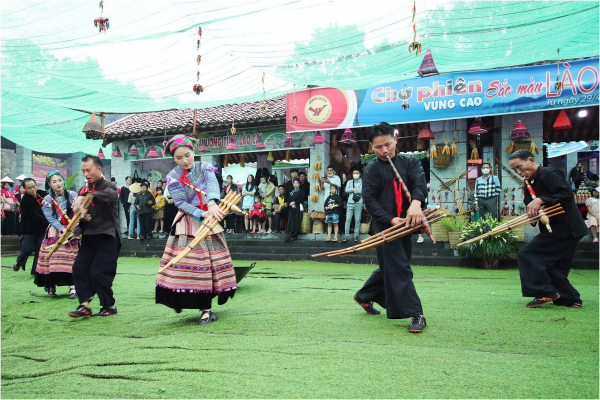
214,212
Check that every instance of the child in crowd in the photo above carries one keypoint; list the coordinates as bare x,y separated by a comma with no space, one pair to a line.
257,215
158,215
333,207
248,192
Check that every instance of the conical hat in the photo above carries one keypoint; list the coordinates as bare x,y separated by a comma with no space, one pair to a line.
6,179
135,188
21,177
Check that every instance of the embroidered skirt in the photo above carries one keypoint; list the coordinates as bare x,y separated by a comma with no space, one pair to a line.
206,272
58,270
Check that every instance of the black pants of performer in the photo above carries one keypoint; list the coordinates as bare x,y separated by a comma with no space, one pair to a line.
29,244
544,266
95,268
126,208
230,222
391,285
146,225
277,219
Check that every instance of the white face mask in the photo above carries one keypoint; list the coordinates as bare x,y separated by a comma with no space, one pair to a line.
356,176
485,171
330,174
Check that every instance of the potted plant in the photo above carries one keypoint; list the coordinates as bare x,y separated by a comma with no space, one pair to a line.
490,250
454,225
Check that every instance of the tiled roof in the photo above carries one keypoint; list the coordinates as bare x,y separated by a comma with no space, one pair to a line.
182,120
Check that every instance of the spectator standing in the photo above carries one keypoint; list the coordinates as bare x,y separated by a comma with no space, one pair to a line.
19,197
305,188
229,218
159,184
257,216
354,205
134,223
124,197
248,193
331,179
592,216
279,209
293,218
144,202
576,175
289,185
9,204
333,206
158,214
487,190
268,200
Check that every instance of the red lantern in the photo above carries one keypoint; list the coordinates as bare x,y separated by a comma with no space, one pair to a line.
152,153
288,141
232,145
562,122
318,138
116,152
426,133
92,125
477,127
133,151
260,145
101,155
348,136
428,65
520,133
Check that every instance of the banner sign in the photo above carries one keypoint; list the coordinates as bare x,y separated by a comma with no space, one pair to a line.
273,138
448,96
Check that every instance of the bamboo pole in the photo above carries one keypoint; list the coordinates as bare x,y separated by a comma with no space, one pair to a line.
87,200
427,211
206,226
234,207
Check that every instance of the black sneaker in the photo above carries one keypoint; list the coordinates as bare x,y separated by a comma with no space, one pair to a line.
368,307
105,312
16,267
82,311
417,324
212,317
539,301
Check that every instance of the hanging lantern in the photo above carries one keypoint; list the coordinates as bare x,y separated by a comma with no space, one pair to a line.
426,133
428,65
348,136
203,146
152,153
116,152
133,151
260,145
270,157
101,154
562,122
520,133
288,141
232,145
318,138
477,127
92,125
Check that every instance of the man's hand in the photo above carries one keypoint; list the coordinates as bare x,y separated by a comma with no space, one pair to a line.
138,207
87,218
534,207
77,205
397,221
413,214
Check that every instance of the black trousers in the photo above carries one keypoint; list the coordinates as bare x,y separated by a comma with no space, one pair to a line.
146,225
277,219
8,224
95,268
126,208
544,266
29,245
391,285
230,222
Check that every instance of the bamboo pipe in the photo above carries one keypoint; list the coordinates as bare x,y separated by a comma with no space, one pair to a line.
515,176
394,236
87,200
206,227
425,224
371,238
542,212
60,210
234,207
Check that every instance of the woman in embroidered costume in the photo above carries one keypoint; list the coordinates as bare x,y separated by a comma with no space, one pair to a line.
58,270
206,272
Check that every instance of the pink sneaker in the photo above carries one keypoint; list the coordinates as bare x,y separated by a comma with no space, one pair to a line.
595,240
253,232
260,232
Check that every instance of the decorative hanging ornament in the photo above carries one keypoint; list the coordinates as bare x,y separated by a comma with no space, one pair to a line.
232,145
198,59
204,146
92,126
133,152
101,154
348,137
520,133
446,148
562,122
270,157
415,46
532,147
116,152
404,98
477,127
233,130
318,138
474,151
558,83
152,153
198,89
288,141
426,133
198,76
101,23
260,145
510,148
433,150
263,106
453,148
428,65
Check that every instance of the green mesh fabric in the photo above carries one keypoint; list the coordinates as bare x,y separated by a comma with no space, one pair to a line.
56,66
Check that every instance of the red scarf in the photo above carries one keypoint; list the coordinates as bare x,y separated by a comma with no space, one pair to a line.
530,188
184,180
398,192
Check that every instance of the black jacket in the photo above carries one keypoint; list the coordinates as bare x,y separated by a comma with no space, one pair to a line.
124,197
33,221
142,201
549,184
332,200
378,188
104,211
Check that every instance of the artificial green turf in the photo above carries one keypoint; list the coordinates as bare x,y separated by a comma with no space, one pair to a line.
293,331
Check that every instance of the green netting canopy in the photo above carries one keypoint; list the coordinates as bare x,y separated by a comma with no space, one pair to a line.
57,66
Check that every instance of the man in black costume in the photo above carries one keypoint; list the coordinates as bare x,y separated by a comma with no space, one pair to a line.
545,262
391,284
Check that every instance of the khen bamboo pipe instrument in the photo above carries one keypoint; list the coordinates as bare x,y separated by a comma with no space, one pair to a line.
85,204
515,223
206,226
425,224
542,212
396,232
427,212
234,207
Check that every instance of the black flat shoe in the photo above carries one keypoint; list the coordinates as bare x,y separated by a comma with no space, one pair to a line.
212,317
72,294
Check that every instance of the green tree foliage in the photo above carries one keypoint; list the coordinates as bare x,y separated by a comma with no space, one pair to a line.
49,161
8,163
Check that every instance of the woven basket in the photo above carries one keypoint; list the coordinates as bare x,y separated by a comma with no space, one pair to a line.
442,161
318,214
439,232
305,225
454,239
364,227
522,146
317,226
518,232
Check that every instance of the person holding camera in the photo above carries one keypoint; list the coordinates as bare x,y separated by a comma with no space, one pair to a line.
354,205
